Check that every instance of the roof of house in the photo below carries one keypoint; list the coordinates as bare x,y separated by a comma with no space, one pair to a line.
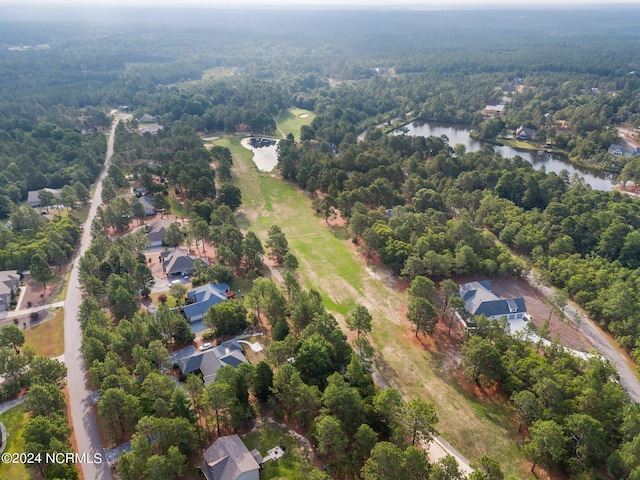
625,151
205,296
227,354
494,108
178,260
34,200
152,129
147,204
479,299
228,458
529,132
157,230
146,118
8,280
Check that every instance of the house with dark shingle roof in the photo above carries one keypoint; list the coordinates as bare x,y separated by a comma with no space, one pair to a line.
178,262
156,232
205,296
479,299
623,150
147,205
146,118
229,459
33,198
9,283
524,133
227,354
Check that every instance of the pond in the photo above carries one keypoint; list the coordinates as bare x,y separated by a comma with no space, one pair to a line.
553,163
265,152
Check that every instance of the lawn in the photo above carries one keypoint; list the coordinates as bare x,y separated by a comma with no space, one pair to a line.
47,338
515,143
290,121
294,465
332,265
14,420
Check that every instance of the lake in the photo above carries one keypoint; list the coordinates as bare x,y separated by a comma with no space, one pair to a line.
553,163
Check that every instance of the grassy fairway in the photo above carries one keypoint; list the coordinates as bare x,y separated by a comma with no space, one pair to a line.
290,121
14,420
332,266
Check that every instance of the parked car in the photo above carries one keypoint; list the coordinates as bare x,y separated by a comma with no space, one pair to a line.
205,346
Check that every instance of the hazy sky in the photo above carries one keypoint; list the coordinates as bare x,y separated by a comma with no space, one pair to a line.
336,3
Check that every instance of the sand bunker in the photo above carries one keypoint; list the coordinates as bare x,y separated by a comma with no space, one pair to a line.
304,115
265,158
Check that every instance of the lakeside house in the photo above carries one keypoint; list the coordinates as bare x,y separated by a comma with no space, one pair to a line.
623,150
524,133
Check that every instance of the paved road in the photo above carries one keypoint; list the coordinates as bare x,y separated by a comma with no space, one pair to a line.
603,344
81,400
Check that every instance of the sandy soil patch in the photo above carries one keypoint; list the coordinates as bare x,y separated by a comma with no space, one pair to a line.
265,158
568,334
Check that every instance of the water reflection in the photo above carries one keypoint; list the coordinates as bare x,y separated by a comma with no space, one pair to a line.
552,163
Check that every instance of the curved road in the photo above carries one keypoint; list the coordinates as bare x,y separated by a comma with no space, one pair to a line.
80,398
602,343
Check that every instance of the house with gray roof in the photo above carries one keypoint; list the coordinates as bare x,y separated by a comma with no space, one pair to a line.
479,299
178,262
9,283
33,198
205,296
156,232
146,118
493,110
147,205
524,133
229,459
227,354
623,150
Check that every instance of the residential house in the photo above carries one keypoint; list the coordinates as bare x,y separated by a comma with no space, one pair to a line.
9,283
479,299
147,205
152,129
156,232
524,133
178,262
229,459
493,110
623,150
227,354
34,200
146,118
203,297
